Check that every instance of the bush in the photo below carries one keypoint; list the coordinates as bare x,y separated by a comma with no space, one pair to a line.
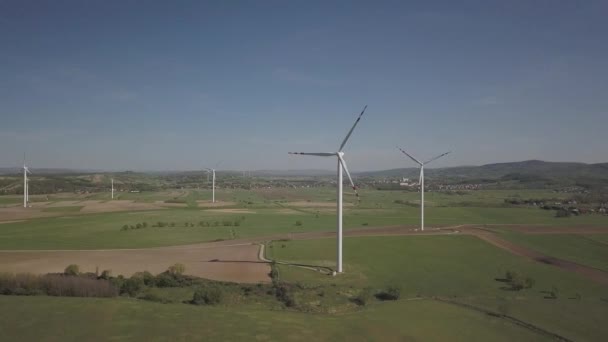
562,213
529,282
298,223
72,270
55,285
177,269
166,280
237,223
391,293
106,274
274,272
285,295
132,286
517,281
125,227
148,278
554,293
207,295
138,226
364,297
145,224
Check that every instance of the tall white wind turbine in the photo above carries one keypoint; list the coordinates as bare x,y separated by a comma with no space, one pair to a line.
212,171
421,180
112,188
26,194
341,165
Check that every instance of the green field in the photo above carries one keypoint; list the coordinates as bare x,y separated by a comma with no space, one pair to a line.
28,319
461,268
583,249
268,216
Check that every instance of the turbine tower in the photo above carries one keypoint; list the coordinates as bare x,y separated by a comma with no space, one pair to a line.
26,194
212,171
341,165
112,188
421,180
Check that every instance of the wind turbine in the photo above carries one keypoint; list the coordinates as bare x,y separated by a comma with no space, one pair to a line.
421,180
341,165
212,171
26,194
112,188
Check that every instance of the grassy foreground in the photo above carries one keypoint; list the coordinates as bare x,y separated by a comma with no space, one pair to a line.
77,319
462,268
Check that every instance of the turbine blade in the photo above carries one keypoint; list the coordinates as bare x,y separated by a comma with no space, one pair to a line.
407,154
343,162
319,154
352,129
439,156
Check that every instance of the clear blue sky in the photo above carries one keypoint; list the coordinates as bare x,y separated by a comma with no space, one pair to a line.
164,85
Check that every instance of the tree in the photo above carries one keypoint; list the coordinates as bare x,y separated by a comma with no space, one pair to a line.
72,270
105,274
177,269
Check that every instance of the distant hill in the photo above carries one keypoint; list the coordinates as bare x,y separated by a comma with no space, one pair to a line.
43,171
525,171
292,173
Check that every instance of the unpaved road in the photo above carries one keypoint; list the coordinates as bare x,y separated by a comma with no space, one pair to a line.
239,260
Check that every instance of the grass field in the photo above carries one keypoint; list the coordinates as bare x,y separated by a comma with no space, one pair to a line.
583,249
95,231
269,211
462,268
27,319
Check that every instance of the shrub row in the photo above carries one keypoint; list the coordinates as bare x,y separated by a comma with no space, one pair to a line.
55,285
161,224
136,226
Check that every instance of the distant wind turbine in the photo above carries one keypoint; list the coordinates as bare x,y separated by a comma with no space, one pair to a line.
112,188
212,171
421,180
341,165
26,194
